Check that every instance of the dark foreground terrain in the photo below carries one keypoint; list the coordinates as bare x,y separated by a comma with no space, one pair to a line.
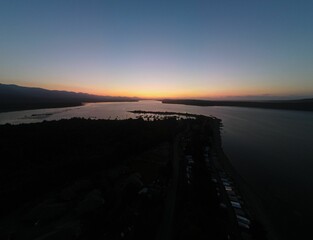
119,179
301,104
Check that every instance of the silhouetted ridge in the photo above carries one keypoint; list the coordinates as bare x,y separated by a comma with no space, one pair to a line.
13,97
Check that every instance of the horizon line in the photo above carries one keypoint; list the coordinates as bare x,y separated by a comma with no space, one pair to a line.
259,97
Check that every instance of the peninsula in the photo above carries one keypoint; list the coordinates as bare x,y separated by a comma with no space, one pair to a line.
161,178
300,105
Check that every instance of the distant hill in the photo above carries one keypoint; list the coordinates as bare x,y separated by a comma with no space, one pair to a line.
300,104
13,97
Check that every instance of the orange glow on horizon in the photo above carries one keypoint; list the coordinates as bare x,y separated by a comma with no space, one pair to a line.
160,92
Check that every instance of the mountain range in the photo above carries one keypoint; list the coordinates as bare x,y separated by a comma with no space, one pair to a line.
14,97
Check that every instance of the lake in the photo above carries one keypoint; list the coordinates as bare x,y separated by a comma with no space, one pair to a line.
271,149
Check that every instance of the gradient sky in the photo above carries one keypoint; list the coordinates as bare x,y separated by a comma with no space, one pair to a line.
200,49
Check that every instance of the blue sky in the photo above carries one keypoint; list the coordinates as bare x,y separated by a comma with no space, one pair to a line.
201,49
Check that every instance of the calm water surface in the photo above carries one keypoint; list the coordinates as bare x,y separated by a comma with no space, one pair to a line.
271,149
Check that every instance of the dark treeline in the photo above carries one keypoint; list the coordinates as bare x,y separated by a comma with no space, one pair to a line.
83,179
111,179
13,98
37,158
301,105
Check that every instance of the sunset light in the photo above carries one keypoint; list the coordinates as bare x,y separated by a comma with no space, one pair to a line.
202,50
156,119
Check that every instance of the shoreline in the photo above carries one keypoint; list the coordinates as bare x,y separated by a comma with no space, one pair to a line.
57,105
254,204
295,105
252,201
263,207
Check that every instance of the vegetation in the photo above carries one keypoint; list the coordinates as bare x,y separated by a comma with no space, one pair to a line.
111,179
301,105
82,179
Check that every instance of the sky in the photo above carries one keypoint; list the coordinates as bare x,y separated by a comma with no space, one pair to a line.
218,49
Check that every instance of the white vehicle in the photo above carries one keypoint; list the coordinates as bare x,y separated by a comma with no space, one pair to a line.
243,219
228,188
243,225
235,204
